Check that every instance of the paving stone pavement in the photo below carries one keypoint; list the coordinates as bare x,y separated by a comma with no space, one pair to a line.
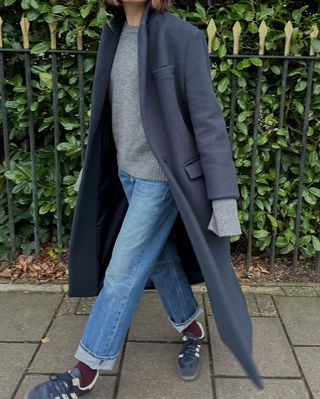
40,331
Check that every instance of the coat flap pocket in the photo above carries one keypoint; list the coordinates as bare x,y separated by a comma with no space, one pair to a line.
193,168
164,71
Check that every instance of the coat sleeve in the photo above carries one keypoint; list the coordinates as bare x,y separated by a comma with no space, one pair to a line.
224,220
208,122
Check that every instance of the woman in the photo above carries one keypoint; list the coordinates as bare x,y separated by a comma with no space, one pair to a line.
145,248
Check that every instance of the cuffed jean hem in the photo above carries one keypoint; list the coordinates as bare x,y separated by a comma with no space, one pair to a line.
181,326
94,361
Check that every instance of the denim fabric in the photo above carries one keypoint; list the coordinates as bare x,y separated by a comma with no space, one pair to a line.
145,248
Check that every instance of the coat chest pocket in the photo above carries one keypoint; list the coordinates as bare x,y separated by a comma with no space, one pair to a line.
193,168
163,72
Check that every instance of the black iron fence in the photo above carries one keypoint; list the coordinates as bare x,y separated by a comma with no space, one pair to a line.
310,61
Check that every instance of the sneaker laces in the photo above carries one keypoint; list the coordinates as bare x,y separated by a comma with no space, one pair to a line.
189,348
59,382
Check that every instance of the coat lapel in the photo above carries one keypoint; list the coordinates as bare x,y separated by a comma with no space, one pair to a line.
108,44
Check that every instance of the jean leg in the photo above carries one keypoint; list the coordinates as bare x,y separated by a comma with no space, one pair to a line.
145,229
174,288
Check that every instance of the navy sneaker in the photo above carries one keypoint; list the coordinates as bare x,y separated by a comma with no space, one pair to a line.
189,357
61,386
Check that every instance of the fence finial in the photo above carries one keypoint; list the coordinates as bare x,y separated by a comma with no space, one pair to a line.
53,33
25,24
211,30
288,31
236,37
1,21
263,30
313,35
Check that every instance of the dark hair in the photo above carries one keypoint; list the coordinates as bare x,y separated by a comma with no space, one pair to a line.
114,6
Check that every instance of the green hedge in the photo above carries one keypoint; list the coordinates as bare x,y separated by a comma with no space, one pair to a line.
90,15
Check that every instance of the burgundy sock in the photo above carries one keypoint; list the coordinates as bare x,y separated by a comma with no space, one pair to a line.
194,328
87,373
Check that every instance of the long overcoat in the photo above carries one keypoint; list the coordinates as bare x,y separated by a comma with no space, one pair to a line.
186,131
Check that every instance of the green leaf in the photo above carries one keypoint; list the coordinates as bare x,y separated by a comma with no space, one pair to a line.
283,132
244,115
301,85
46,78
275,69
316,243
69,123
315,43
315,191
9,2
272,220
33,15
304,240
45,208
223,85
299,107
34,105
252,27
201,10
222,51
259,234
244,192
85,11
59,9
259,204
297,14
265,12
313,158
256,61
34,4
88,64
239,8
40,48
281,242
309,197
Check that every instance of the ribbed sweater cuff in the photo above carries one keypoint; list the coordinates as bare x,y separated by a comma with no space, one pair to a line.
224,219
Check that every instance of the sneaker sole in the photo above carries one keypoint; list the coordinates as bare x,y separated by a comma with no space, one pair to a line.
188,378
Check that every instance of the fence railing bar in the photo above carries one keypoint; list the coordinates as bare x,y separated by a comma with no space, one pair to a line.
227,56
27,65
262,34
56,129
6,153
288,35
313,34
49,51
234,82
81,93
302,162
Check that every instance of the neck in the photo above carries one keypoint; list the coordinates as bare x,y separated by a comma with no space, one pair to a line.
134,12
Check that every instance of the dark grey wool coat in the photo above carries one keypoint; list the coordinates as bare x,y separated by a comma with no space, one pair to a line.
186,131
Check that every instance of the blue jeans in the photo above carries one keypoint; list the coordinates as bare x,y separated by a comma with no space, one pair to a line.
145,248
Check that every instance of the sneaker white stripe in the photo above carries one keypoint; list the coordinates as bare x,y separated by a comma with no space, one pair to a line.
201,328
73,395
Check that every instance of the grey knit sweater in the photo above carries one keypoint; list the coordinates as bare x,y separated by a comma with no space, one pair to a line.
134,154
